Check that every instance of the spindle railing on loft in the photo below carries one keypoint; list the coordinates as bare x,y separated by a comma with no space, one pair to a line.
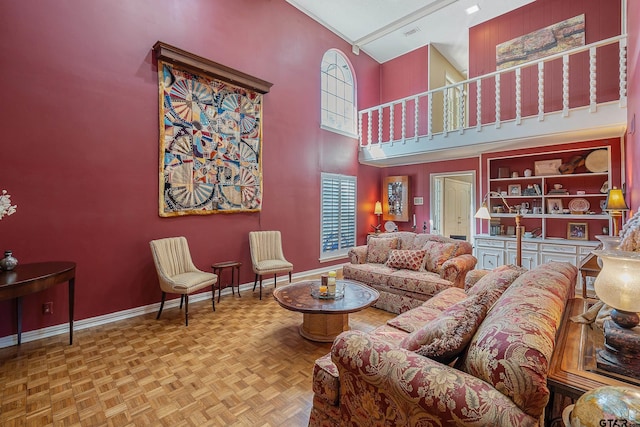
554,84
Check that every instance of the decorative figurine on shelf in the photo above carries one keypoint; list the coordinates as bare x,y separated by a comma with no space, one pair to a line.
424,227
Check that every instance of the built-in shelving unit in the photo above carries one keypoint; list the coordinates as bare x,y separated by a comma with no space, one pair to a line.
563,210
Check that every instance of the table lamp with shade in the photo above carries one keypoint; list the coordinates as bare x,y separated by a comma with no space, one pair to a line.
377,210
483,213
618,286
615,205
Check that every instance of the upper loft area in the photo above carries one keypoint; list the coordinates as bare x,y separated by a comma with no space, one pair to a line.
576,95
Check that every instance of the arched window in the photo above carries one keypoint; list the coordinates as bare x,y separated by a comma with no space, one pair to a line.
338,94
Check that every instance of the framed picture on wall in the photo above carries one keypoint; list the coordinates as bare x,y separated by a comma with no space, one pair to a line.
395,200
578,231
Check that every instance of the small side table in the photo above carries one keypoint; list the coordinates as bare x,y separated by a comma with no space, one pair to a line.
219,267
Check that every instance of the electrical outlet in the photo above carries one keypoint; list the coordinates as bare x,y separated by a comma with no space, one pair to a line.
47,308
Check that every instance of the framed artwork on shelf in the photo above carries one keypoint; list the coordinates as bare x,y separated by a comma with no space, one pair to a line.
395,200
547,167
578,231
514,190
554,206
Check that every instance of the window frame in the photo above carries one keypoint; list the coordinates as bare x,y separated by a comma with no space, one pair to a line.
344,208
334,59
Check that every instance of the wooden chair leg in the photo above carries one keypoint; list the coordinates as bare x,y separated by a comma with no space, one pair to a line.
213,296
275,283
161,305
181,301
289,277
255,282
261,287
186,310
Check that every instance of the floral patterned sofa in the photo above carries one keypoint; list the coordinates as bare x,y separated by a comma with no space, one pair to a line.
475,358
408,268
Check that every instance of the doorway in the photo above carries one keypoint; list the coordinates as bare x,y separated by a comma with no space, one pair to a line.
452,204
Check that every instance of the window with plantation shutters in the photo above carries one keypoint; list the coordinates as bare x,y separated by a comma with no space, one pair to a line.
338,216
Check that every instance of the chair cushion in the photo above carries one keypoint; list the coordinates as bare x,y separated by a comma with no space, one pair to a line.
272,266
410,260
192,281
437,254
446,336
378,249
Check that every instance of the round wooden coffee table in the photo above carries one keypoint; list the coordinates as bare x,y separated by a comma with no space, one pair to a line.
324,319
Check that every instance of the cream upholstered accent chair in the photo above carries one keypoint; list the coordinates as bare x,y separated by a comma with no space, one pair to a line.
267,256
177,274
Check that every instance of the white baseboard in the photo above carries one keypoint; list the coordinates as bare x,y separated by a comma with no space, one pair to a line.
63,328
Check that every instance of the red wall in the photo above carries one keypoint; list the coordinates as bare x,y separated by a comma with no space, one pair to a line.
602,20
80,141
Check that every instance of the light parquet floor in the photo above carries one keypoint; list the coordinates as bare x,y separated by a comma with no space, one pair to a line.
244,365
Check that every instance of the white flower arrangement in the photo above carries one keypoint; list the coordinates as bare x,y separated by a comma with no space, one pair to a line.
6,208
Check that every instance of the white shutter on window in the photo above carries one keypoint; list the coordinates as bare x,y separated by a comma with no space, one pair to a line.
338,216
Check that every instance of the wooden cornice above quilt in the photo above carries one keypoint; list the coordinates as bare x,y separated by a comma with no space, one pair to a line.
186,59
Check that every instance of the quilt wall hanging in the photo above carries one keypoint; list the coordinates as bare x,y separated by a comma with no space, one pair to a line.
540,43
210,137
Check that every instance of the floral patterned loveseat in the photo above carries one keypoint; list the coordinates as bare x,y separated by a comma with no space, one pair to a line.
475,358
408,268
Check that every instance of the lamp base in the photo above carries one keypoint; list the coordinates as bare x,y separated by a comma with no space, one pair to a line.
621,352
625,319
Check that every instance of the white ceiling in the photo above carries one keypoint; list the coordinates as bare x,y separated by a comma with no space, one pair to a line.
385,29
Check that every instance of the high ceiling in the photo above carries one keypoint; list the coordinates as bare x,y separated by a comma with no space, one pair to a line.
385,29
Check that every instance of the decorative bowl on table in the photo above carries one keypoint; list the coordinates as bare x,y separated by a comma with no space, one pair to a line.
319,291
605,406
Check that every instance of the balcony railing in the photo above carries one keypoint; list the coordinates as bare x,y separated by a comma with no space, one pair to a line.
584,77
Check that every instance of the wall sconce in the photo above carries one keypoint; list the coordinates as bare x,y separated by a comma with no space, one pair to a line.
378,211
483,213
615,205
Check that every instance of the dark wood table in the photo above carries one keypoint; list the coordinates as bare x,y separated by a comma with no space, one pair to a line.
31,278
573,369
324,319
219,267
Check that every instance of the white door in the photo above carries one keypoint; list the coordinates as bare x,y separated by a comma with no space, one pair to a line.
457,204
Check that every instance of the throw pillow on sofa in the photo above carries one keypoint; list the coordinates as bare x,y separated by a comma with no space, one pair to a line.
437,254
498,280
445,338
378,249
406,259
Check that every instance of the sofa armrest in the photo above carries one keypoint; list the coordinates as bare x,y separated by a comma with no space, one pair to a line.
381,384
358,254
455,269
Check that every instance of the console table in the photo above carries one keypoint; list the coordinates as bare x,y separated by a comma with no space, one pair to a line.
573,370
31,278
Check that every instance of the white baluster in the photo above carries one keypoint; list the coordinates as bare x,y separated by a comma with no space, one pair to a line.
479,105
461,112
518,96
430,115
360,128
497,101
623,72
369,128
565,85
592,80
404,119
380,125
415,129
540,91
391,108
445,112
